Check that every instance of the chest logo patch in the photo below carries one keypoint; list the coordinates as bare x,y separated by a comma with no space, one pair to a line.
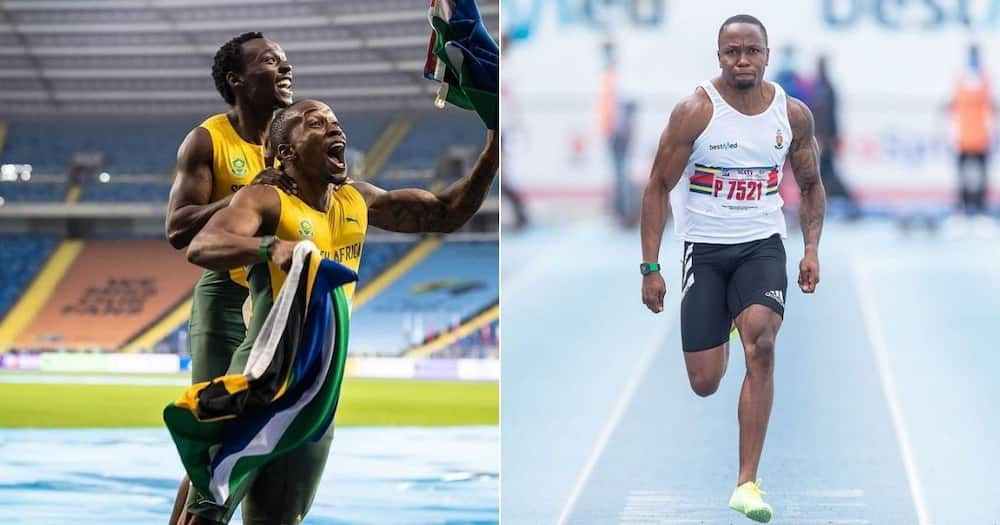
305,229
239,167
779,141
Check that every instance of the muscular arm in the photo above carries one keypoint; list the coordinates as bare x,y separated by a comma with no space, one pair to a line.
229,239
688,119
189,208
804,156
414,210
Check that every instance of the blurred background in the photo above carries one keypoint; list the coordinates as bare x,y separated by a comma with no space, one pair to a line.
95,98
884,377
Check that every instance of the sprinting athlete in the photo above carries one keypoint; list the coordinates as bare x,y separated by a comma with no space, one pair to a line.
722,155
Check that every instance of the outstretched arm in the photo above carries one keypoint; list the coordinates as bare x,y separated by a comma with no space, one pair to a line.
804,155
687,121
231,238
414,210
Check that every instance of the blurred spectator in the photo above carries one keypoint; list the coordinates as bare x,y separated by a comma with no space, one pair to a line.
507,189
616,121
788,76
621,142
973,109
823,103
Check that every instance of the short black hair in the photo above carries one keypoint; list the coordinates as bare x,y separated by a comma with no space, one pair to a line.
229,58
743,19
280,130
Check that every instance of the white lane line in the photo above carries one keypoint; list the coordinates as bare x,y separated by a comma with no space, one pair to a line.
634,380
875,335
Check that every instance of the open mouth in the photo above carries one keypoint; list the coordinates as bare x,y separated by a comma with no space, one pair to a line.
336,155
285,85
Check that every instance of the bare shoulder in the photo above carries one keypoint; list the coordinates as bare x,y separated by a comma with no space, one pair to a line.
367,190
799,117
260,197
690,116
196,148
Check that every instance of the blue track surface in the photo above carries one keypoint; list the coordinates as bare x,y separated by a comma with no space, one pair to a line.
374,476
884,391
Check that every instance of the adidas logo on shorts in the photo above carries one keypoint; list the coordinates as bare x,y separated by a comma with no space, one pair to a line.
777,296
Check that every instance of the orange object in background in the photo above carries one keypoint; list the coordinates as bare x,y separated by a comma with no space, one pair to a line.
113,291
973,111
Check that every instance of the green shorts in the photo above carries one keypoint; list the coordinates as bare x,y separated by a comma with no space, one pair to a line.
282,491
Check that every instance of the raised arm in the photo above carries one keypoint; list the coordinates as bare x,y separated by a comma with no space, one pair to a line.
413,210
189,208
804,156
232,237
688,119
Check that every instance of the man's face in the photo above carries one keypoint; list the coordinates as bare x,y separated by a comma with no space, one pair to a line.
319,141
742,55
267,76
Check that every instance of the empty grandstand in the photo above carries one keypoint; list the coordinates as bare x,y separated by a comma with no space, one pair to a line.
94,101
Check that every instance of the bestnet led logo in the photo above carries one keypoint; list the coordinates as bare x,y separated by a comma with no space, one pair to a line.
724,146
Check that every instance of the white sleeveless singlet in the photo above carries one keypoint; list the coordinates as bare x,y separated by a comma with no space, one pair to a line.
728,193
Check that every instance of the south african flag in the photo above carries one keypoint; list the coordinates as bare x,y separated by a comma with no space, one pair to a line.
464,58
226,428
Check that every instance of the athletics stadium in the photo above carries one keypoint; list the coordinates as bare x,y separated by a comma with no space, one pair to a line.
95,97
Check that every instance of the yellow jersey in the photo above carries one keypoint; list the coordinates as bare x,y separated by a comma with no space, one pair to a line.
339,233
235,162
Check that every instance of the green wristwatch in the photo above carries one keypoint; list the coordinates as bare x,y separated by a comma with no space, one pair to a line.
647,267
264,249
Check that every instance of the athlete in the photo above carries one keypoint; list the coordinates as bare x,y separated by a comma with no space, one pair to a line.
218,157
722,154
259,229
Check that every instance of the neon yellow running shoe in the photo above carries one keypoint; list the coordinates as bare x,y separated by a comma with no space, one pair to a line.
747,500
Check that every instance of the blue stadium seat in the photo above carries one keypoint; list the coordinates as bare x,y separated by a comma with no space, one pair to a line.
432,133
126,192
21,256
454,282
32,191
131,145
481,344
377,256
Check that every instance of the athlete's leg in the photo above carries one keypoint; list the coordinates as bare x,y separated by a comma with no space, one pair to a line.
705,368
756,297
705,319
758,326
283,490
216,330
177,515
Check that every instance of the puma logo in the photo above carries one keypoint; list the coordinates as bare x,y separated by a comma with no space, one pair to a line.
351,219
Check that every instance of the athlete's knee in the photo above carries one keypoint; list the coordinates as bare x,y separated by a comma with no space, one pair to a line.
760,353
704,385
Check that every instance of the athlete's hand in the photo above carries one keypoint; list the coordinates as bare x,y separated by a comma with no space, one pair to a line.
278,178
653,291
281,254
809,272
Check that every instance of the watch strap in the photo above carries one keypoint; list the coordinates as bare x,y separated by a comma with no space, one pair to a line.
264,248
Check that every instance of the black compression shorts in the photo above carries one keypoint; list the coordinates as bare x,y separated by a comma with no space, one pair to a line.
720,280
